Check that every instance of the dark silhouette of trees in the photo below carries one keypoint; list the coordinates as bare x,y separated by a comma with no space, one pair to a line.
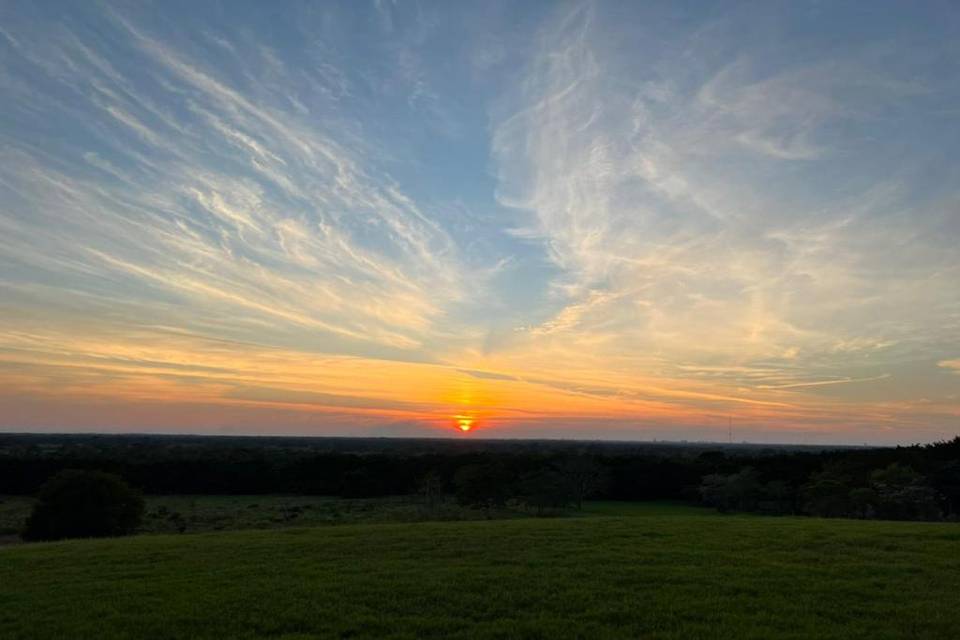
894,492
827,494
946,481
431,489
547,489
777,497
745,490
363,482
84,504
863,501
741,491
487,486
714,493
903,494
808,480
584,476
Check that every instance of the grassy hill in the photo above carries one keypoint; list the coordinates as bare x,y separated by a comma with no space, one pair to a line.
651,572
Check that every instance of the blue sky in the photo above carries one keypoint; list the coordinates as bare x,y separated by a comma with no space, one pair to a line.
618,220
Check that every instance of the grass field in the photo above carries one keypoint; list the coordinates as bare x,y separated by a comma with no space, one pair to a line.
199,513
643,571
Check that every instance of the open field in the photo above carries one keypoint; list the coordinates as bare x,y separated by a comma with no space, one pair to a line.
654,572
200,513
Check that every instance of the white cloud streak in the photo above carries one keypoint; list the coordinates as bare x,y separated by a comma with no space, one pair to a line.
243,210
675,196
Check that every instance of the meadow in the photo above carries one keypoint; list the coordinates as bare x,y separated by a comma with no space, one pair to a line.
200,513
619,570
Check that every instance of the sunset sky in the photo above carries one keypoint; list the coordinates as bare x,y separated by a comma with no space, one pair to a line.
618,220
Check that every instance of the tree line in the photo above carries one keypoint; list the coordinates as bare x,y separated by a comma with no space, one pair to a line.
849,487
917,482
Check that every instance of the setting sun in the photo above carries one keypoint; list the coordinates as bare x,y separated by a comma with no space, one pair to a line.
464,423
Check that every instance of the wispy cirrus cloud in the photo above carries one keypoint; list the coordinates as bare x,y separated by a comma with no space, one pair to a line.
643,219
224,198
643,188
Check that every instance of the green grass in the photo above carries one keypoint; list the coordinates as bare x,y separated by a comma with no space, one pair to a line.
219,513
626,509
653,572
199,513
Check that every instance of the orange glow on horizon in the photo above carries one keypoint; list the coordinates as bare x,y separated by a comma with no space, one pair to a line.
246,386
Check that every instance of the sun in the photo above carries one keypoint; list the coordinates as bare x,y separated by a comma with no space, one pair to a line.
464,423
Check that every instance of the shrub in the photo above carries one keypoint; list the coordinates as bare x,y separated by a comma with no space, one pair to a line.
84,504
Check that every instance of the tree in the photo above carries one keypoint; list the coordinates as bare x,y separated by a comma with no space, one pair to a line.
903,494
482,485
364,482
946,481
740,491
547,489
863,502
827,494
777,497
84,504
431,489
584,476
713,492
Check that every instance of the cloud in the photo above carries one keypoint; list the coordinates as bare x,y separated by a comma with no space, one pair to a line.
822,383
645,193
297,397
243,209
487,375
559,215
951,364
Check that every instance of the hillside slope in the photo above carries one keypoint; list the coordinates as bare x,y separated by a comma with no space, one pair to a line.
654,576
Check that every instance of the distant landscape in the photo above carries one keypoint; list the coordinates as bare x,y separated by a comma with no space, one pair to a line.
906,483
253,537
491,320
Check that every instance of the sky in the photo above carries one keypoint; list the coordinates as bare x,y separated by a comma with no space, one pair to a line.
610,220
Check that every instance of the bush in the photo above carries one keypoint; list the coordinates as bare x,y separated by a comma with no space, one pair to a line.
84,504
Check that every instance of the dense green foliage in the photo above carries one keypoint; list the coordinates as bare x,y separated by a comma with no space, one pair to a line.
84,504
659,572
894,492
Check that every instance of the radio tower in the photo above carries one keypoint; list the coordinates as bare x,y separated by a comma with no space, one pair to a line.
729,429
